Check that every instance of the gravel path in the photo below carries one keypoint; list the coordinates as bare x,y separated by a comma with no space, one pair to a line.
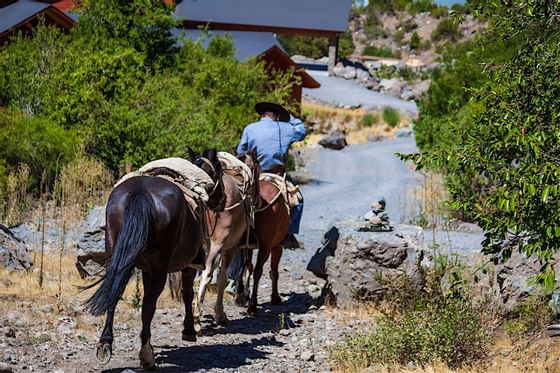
336,90
293,337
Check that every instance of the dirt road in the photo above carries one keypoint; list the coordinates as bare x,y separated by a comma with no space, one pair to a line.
293,337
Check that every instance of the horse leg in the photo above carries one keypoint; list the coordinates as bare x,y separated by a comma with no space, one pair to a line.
262,256
205,279
105,345
188,333
243,281
153,286
276,254
219,314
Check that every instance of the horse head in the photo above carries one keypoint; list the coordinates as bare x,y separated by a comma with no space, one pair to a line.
250,159
208,161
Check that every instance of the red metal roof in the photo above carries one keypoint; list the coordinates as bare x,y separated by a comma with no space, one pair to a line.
64,5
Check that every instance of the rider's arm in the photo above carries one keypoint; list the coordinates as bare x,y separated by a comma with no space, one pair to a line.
243,146
299,129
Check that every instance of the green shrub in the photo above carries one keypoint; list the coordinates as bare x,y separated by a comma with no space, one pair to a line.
315,47
529,316
398,36
37,142
391,116
447,29
439,322
371,50
375,31
450,332
415,41
439,11
369,119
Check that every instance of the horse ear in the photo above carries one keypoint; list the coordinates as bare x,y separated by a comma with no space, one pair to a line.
212,154
192,154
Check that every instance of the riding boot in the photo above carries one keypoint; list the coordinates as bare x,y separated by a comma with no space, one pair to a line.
290,242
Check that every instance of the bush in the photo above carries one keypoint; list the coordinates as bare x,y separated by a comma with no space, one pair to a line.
391,117
415,41
436,323
375,31
529,316
398,36
369,119
450,332
447,29
315,47
371,50
37,142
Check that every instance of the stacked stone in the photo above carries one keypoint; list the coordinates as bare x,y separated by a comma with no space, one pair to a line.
377,219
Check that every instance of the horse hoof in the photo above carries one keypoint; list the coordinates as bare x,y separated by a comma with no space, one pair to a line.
189,337
252,310
104,352
148,366
241,300
276,300
147,359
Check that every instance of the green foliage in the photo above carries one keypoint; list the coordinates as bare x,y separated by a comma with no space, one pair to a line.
35,141
447,29
415,41
502,164
529,316
372,50
315,47
119,85
433,324
391,116
144,25
398,36
369,119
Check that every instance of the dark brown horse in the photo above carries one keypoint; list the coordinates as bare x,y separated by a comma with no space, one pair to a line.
272,221
150,226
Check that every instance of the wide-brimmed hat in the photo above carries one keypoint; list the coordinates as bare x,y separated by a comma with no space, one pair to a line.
263,107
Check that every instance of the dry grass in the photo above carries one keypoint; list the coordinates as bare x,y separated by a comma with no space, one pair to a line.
15,194
21,288
80,185
425,203
349,120
540,356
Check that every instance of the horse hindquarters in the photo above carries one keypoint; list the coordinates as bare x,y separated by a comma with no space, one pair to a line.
137,213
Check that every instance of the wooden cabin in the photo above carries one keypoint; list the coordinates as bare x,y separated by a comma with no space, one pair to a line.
317,18
23,16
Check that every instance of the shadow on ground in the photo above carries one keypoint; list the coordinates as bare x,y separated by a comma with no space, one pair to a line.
268,319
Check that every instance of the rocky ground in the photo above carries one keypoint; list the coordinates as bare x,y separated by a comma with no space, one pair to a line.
42,332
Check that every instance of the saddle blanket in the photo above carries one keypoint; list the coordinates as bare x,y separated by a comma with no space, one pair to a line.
194,182
291,193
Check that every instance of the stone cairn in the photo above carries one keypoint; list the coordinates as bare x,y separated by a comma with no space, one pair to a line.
377,219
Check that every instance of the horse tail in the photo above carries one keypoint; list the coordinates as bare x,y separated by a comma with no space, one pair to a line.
139,216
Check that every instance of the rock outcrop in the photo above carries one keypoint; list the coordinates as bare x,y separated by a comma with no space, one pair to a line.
14,255
335,140
356,265
93,239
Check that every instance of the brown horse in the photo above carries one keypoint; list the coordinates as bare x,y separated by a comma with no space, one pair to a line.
227,229
150,226
272,220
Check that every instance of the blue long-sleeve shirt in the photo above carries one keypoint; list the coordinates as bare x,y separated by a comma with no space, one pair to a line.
272,140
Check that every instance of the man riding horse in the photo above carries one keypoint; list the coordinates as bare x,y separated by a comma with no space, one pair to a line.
271,137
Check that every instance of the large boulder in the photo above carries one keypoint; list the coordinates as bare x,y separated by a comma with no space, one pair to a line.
14,255
356,265
93,238
392,86
335,140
